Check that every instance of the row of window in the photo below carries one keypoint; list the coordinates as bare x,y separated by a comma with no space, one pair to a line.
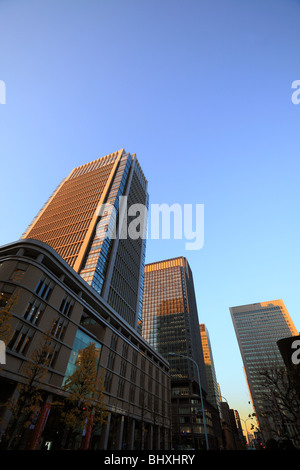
105,163
146,399
22,338
24,333
133,372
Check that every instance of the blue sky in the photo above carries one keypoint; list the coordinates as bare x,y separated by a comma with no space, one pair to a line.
201,91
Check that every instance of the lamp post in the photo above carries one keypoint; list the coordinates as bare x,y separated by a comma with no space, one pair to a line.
224,399
200,388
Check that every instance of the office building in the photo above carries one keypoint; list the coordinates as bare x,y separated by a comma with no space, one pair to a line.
258,327
171,326
83,287
212,384
241,437
230,431
85,224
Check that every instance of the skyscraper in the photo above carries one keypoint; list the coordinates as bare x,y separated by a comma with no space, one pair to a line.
258,327
82,222
170,317
212,384
171,326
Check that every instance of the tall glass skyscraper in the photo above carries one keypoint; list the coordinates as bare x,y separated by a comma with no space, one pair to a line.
258,327
81,222
170,316
171,326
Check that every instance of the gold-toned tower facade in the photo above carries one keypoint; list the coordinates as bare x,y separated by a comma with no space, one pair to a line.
73,224
171,326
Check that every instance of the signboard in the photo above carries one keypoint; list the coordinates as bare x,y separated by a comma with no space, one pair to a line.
290,352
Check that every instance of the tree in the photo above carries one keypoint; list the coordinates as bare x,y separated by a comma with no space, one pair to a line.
29,392
283,403
84,405
6,317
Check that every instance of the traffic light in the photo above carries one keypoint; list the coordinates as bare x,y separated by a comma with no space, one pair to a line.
81,406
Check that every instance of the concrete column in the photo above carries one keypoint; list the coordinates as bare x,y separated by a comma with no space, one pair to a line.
40,258
166,439
151,437
107,432
131,442
121,429
158,437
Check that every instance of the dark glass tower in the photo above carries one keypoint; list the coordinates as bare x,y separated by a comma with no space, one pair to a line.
81,222
170,317
171,326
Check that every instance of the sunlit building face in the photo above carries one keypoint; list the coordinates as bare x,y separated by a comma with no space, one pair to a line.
258,327
170,314
72,224
171,326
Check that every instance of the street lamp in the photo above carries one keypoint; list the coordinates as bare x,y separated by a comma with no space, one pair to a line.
200,388
224,399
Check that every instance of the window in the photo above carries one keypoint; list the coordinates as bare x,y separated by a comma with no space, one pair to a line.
142,380
34,311
111,360
108,381
132,394
185,411
87,319
81,341
113,342
5,294
53,355
198,429
184,419
125,350
123,368
121,387
18,273
44,288
134,357
66,305
141,398
185,429
59,328
133,374
21,340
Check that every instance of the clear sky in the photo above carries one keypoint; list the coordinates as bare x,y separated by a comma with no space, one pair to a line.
201,91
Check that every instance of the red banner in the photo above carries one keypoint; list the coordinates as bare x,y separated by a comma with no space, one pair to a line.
88,433
39,427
